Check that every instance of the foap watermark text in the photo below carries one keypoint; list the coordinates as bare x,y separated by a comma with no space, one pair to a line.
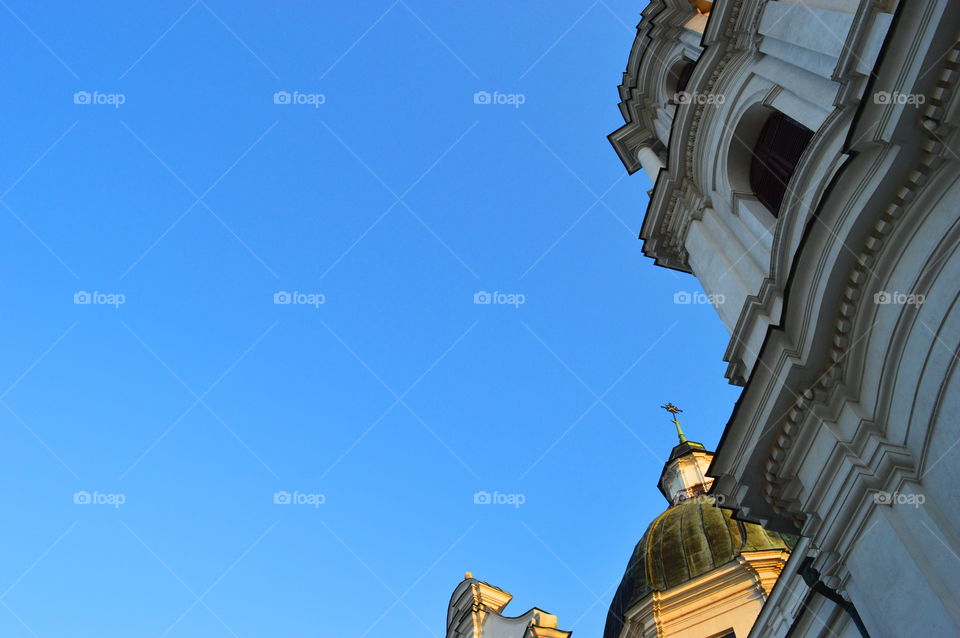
297,298
685,97
886,97
295,497
96,497
299,98
97,298
516,100
684,297
497,298
96,98
896,498
897,298
497,498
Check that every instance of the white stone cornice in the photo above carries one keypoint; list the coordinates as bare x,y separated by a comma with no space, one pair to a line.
654,48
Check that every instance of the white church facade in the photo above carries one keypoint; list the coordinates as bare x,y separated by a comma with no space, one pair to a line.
805,157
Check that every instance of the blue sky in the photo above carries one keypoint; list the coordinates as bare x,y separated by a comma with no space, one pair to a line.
150,163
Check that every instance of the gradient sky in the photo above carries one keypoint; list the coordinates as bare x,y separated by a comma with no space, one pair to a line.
391,196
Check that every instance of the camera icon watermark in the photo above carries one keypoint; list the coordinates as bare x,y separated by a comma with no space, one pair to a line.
299,98
97,298
99,99
497,298
297,298
516,100
497,498
97,497
686,298
897,298
284,497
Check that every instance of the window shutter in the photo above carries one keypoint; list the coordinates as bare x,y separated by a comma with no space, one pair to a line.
775,157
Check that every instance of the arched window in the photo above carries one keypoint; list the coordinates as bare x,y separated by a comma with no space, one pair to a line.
775,156
678,77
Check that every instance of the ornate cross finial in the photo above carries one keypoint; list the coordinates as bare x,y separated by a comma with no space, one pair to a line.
674,410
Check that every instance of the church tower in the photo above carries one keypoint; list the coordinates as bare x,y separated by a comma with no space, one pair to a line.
696,571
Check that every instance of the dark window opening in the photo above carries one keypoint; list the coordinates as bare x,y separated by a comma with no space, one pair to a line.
684,76
775,157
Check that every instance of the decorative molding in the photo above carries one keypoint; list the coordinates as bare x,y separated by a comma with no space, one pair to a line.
939,119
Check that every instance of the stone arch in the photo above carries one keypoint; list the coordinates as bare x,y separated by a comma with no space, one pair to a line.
763,154
678,76
739,157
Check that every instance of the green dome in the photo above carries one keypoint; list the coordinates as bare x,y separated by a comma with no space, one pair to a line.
686,541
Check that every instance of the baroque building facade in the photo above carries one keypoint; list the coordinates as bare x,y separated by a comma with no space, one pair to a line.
804,156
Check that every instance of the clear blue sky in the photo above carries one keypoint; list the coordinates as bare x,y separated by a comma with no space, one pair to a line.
398,398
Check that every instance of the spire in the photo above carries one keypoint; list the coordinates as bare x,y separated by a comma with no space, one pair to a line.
674,410
684,473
